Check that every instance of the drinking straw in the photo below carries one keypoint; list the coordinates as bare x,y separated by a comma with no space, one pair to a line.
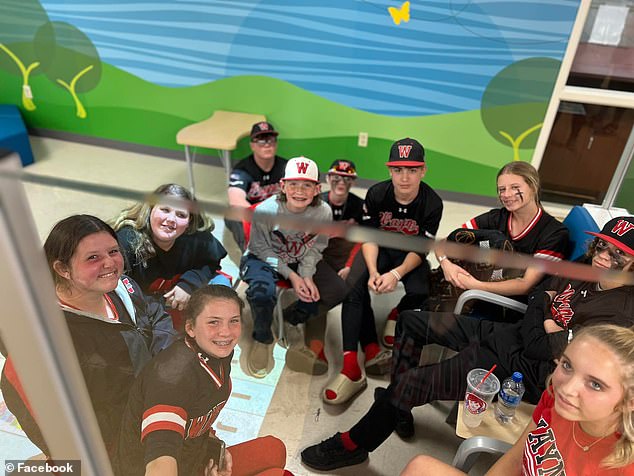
486,376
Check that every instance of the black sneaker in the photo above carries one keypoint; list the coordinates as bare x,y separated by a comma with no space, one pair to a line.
330,454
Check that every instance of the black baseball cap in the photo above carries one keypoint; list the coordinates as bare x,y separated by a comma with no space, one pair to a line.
406,153
620,232
343,167
262,129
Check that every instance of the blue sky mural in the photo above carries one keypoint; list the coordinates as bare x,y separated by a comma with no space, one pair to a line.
348,51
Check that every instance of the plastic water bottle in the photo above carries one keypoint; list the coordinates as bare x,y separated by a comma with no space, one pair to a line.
509,398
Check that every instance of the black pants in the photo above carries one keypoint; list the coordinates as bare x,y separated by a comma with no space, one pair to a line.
357,318
479,344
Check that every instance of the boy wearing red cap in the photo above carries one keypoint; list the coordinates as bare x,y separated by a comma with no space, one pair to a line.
346,207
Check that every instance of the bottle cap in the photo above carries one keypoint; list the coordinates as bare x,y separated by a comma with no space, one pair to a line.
517,376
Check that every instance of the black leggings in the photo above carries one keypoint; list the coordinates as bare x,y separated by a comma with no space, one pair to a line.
479,343
357,318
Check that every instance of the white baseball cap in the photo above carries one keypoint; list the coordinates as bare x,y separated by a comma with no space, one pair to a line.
301,168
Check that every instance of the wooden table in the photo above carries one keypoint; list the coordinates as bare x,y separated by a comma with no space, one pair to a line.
490,436
492,428
221,131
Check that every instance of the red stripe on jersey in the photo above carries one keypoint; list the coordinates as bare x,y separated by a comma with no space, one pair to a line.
548,254
163,417
12,377
471,224
528,228
163,425
165,409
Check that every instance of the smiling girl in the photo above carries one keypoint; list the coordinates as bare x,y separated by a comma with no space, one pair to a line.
526,224
583,424
115,330
166,427
169,248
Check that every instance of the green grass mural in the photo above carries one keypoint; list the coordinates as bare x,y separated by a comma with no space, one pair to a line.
462,155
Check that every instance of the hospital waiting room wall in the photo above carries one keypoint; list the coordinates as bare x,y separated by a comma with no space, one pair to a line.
471,79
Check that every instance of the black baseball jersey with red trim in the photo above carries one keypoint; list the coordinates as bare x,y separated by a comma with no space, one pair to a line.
421,217
577,302
171,408
257,184
351,210
339,249
544,237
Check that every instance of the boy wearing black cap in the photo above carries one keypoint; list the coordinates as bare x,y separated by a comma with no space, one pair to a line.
256,177
405,205
346,207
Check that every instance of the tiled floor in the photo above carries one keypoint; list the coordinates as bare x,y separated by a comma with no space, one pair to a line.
286,404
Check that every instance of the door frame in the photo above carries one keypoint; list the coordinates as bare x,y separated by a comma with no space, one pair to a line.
603,97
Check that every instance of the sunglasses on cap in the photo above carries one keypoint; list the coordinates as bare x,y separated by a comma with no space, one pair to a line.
264,140
617,256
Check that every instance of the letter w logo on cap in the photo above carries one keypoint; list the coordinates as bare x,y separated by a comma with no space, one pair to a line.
403,151
302,167
622,227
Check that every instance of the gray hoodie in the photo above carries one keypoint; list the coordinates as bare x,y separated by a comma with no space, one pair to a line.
279,247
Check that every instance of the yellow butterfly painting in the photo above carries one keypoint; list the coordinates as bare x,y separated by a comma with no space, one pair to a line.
399,14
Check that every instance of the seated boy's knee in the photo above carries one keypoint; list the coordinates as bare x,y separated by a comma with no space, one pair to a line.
261,292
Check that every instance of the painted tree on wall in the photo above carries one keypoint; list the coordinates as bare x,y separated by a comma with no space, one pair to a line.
514,102
69,59
19,21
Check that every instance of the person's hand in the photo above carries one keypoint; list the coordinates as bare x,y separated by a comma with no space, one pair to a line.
451,271
373,280
551,326
212,468
344,272
300,287
464,280
387,283
312,289
177,298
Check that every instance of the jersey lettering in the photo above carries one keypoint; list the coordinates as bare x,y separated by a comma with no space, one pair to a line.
403,151
258,192
622,227
407,226
541,450
560,309
200,425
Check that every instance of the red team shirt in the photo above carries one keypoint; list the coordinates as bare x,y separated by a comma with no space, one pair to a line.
551,451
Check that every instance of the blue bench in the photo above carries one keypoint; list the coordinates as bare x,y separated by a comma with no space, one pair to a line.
13,134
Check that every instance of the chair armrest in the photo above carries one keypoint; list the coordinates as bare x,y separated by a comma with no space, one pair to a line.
471,447
488,297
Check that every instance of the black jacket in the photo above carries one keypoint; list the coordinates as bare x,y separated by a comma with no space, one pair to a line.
110,355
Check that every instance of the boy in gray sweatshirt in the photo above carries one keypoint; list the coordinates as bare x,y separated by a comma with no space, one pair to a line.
274,253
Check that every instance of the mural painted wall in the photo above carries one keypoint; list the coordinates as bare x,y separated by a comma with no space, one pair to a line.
469,78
